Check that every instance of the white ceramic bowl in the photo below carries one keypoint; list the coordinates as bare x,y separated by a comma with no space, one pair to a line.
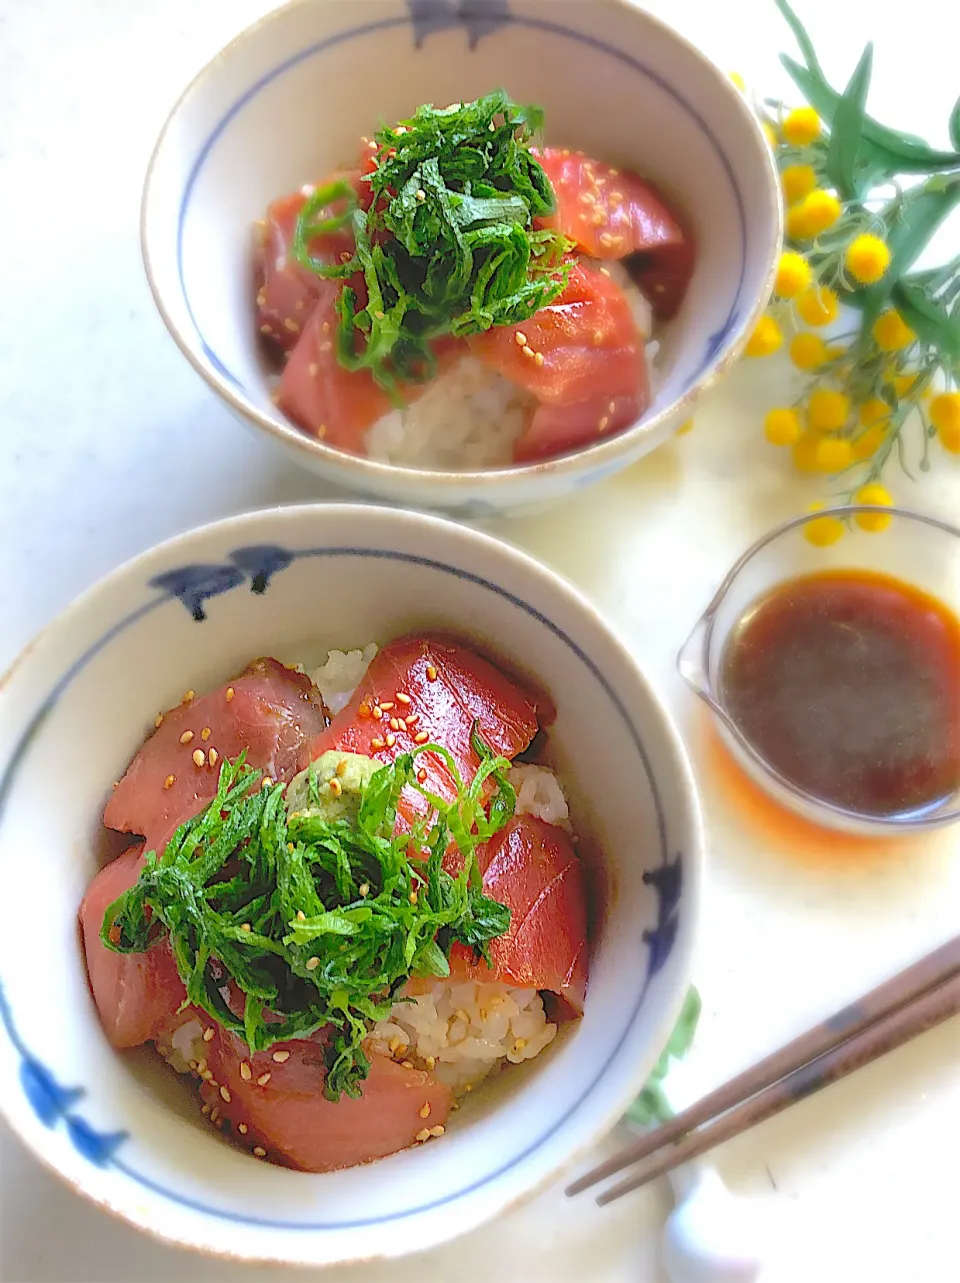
292,583
289,98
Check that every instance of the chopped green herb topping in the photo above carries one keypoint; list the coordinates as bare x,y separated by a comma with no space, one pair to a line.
317,921
447,246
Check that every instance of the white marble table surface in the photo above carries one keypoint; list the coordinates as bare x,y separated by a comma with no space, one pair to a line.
109,442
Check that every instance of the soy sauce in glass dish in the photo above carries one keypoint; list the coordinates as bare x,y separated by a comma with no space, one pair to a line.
848,683
834,672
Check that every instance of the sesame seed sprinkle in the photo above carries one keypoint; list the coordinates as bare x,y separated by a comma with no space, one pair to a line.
246,1073
423,1134
199,757
213,755
377,711
301,916
186,737
245,926
230,692
376,743
437,1131
263,1080
336,788
425,1110
158,721
538,358
395,723
208,1035
168,782
242,1128
604,422
313,963
403,697
259,1151
191,694
290,324
390,740
386,705
520,338
364,890
421,737
281,1057
431,673
225,1094
205,733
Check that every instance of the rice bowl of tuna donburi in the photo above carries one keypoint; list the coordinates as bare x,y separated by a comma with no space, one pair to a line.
385,911
507,267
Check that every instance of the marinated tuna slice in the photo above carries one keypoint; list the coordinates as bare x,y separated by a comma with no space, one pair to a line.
423,689
275,1105
136,994
287,292
613,213
269,710
531,867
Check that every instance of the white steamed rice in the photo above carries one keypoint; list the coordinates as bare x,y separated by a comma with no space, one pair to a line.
471,417
460,1032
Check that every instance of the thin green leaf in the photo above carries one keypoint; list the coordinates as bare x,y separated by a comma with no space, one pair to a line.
802,38
846,130
954,124
930,322
902,153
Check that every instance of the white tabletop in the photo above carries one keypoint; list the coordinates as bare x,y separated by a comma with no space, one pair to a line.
109,442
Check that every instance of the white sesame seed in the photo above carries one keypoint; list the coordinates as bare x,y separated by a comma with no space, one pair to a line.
259,1151
246,1073
403,697
290,324
313,963
230,692
242,1128
263,1080
208,1035
225,1094
168,782
205,733
437,1131
213,755
425,1110
281,1057
520,339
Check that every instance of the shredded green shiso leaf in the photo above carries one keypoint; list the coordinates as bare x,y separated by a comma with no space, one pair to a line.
447,246
318,922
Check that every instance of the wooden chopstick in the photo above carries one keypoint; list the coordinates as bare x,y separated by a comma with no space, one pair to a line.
895,994
899,1027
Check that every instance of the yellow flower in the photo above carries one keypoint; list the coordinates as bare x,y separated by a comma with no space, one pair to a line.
822,531
737,80
880,496
868,443
867,258
818,306
828,411
801,127
815,213
945,417
904,383
798,181
685,427
782,426
765,339
873,411
807,351
797,227
892,332
805,453
793,275
833,454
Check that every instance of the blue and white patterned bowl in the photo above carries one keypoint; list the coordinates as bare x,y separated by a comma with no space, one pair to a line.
292,583
286,102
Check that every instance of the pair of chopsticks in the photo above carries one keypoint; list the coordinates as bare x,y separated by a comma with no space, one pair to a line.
897,1011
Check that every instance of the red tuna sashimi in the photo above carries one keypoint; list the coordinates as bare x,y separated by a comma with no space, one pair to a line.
287,292
285,1113
269,710
613,213
136,993
531,867
557,429
582,356
449,688
587,337
327,400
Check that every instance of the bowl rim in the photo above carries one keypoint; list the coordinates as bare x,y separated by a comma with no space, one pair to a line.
367,471
688,804
698,647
